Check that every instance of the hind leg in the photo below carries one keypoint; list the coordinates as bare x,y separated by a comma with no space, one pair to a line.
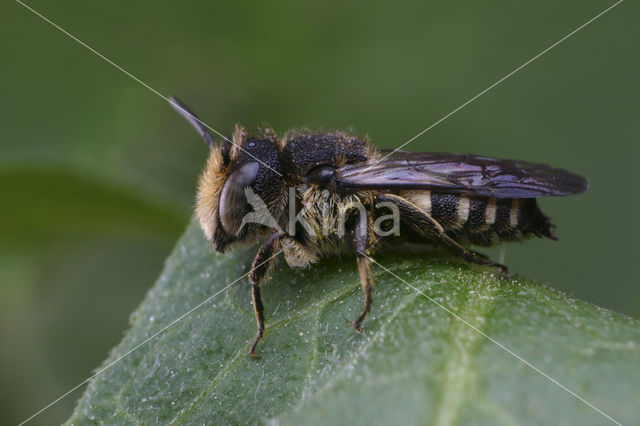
423,224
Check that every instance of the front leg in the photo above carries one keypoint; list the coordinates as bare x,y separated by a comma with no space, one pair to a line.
363,242
259,268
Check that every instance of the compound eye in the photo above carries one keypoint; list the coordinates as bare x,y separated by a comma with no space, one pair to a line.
233,202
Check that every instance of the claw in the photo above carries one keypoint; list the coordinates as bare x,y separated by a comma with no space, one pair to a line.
252,351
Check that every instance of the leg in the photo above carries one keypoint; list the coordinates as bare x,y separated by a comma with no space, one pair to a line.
362,243
259,268
430,229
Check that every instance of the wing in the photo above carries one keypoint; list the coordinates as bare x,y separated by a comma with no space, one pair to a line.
471,174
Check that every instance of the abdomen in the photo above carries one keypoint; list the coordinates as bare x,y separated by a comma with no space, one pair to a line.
481,220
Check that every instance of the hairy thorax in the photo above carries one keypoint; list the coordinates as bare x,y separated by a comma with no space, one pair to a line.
321,224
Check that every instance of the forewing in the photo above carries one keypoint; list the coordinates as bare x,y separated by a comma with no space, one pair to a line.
471,174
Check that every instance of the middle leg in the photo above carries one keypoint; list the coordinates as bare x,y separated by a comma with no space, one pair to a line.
362,243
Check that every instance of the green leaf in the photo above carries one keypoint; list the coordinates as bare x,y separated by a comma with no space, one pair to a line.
414,363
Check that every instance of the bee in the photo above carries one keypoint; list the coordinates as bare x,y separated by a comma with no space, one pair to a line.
315,195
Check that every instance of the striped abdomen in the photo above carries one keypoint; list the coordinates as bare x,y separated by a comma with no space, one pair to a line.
484,221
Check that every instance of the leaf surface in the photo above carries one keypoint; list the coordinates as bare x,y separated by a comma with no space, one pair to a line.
414,362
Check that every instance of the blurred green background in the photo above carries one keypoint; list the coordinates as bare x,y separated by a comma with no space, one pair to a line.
97,174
